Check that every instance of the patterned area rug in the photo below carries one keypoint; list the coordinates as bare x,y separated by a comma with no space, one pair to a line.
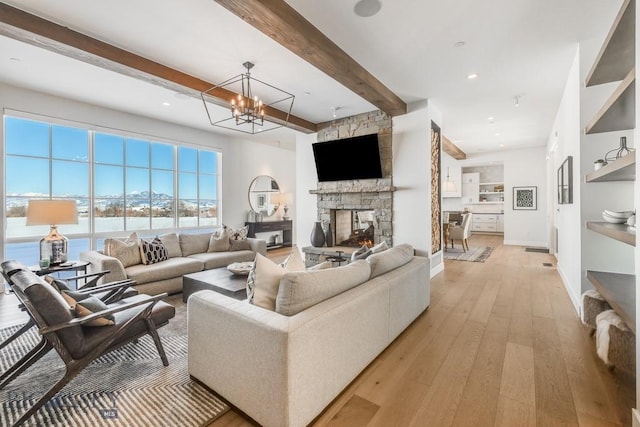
474,254
127,387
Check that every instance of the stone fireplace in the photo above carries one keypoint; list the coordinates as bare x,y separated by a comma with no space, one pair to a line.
338,201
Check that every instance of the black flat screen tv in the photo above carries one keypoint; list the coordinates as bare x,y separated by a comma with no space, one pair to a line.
349,158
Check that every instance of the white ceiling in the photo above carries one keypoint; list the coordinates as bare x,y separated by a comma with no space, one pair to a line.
518,47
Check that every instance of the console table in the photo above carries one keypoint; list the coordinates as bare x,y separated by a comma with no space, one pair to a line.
286,227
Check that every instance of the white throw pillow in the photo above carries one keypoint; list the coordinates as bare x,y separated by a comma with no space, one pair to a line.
294,261
127,251
263,282
219,242
380,247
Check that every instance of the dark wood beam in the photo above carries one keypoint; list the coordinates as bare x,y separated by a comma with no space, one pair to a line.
23,26
282,23
452,149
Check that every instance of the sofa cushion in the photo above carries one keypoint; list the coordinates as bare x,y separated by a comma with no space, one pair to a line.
168,269
194,243
222,259
171,242
302,289
153,252
390,259
239,245
127,251
219,242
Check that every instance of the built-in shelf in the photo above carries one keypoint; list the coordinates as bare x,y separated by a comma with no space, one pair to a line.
623,169
491,183
492,192
617,55
620,232
619,112
486,203
619,290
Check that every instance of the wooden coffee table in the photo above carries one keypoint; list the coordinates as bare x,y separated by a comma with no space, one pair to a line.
220,280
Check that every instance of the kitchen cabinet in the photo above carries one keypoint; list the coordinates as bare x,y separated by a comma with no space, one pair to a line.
470,187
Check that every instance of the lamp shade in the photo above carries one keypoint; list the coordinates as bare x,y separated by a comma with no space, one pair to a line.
450,186
52,212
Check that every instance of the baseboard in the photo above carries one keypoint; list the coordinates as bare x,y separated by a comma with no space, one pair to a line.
526,243
635,415
437,269
575,299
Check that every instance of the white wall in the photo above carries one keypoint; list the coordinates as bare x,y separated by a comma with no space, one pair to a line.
306,179
522,167
241,159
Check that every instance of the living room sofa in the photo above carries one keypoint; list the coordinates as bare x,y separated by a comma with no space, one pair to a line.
188,253
284,370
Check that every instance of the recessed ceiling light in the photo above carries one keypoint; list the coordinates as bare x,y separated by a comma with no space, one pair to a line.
501,145
497,133
459,44
472,76
166,104
367,8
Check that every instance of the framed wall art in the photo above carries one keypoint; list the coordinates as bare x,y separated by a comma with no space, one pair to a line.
525,198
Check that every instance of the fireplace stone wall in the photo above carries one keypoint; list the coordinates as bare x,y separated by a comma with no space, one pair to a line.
362,194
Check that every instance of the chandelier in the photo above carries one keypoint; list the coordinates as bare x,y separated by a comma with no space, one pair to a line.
247,108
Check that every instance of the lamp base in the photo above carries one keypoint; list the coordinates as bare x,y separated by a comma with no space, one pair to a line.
54,247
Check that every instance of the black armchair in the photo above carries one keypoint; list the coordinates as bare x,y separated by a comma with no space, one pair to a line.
76,344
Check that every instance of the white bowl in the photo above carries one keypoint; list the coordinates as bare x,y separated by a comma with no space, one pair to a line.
613,220
622,214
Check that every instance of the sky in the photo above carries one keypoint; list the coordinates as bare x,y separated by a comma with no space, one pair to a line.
120,162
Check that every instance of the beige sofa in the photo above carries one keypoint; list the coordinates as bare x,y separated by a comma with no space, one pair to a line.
284,370
188,253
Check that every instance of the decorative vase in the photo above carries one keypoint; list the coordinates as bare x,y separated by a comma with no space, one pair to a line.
328,236
317,235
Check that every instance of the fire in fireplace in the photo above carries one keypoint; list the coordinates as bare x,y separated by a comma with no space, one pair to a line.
354,228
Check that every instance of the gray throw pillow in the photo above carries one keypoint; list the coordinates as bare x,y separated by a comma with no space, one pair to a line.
92,305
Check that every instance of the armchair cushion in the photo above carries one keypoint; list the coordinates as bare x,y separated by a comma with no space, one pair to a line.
90,305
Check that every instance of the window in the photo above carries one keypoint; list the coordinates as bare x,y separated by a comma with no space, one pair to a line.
120,183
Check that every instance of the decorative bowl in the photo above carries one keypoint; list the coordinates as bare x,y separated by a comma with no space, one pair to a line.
240,268
612,219
621,214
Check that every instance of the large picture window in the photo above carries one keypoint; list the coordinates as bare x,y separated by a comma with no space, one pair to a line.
120,182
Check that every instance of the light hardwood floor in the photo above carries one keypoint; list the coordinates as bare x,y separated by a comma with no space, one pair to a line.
500,345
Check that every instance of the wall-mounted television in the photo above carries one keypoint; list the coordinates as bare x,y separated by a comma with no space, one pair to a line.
349,158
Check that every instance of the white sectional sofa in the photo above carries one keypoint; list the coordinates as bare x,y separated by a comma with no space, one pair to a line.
188,253
284,370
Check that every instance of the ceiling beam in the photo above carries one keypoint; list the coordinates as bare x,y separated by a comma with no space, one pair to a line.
284,24
28,28
452,149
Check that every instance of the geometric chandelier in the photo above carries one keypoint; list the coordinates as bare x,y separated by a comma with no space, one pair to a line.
248,108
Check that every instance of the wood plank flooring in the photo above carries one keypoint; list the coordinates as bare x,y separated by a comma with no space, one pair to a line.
500,345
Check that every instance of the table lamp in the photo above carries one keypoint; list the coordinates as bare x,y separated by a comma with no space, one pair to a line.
54,246
285,199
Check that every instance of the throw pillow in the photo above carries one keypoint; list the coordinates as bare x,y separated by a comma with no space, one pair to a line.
58,284
127,251
72,297
263,282
219,242
238,233
171,242
92,305
380,247
153,252
294,261
390,259
361,253
239,245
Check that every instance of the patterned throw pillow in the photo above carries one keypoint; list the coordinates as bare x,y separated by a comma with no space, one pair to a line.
361,253
92,305
152,252
238,233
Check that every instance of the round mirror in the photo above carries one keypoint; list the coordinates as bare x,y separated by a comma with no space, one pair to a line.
264,195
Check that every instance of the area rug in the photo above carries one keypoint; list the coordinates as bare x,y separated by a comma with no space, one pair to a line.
473,254
127,387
